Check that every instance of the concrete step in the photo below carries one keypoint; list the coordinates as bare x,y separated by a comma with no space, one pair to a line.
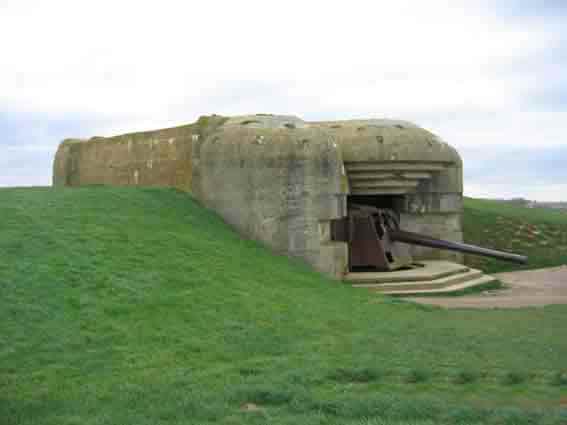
446,290
353,167
425,285
431,270
379,175
373,184
382,191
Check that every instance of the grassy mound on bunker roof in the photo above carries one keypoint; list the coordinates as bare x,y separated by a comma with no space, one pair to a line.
138,306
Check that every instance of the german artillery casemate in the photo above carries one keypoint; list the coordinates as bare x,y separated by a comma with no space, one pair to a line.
335,194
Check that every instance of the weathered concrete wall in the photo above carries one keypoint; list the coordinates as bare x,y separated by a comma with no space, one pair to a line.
152,158
277,185
436,209
157,158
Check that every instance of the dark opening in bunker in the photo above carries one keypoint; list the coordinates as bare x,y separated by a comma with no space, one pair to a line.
369,249
393,202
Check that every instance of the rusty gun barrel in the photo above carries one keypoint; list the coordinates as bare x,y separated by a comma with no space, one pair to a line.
422,240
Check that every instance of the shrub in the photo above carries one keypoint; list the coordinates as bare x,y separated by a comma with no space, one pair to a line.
464,377
513,378
354,375
416,376
559,379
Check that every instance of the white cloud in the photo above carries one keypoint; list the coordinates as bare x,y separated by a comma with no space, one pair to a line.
136,58
501,130
450,66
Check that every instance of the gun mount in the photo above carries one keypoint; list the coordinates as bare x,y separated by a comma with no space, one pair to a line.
373,235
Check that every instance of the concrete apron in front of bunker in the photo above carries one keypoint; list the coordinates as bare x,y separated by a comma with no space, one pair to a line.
321,191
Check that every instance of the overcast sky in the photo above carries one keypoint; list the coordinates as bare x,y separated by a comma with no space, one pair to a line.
489,77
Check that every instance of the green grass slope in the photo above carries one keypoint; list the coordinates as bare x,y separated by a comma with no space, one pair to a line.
138,306
539,233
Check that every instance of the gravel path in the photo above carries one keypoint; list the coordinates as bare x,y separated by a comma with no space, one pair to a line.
532,288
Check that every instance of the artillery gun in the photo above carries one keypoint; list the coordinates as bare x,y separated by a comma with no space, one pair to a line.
374,233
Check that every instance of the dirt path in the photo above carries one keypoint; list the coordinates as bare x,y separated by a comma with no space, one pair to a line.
523,289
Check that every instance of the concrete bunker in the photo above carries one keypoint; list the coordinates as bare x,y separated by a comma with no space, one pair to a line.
289,183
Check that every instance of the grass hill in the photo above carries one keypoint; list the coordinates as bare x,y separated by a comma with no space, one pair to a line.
138,306
539,233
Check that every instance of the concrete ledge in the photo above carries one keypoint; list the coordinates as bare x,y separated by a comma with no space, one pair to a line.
447,290
431,270
440,283
436,277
